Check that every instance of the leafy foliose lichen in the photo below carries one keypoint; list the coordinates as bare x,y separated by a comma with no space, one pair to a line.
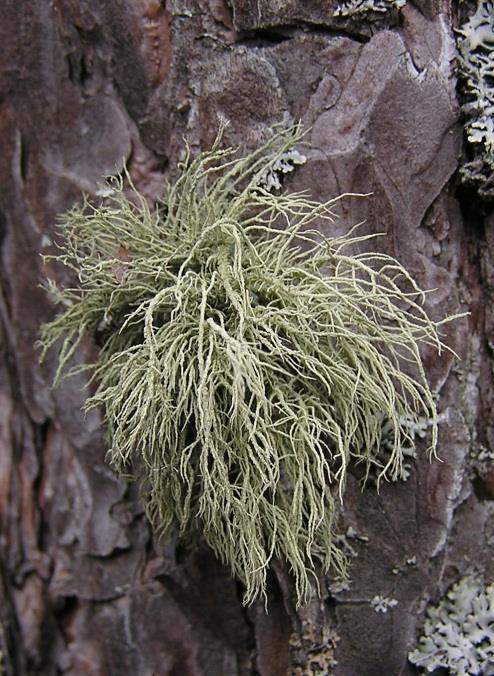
313,647
285,164
382,604
416,429
357,8
246,360
476,69
459,632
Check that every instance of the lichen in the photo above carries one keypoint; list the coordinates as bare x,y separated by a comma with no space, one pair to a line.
459,632
409,562
412,430
476,70
481,461
356,8
381,604
246,360
344,541
312,649
285,164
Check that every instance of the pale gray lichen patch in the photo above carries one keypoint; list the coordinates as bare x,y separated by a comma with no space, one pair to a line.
459,632
285,164
345,539
382,604
413,430
356,8
476,67
481,460
339,586
352,534
409,562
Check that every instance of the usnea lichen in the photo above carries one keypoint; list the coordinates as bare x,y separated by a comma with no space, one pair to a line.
476,69
246,360
459,632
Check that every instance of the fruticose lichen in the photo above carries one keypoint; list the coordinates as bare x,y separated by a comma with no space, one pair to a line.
459,632
246,360
356,8
476,69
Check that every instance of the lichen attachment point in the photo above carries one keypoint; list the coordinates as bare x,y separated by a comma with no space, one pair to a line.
246,361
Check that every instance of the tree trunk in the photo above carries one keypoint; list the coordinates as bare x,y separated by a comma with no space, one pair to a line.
86,86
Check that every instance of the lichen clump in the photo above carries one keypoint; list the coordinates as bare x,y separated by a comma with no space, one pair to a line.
246,360
357,8
476,69
459,632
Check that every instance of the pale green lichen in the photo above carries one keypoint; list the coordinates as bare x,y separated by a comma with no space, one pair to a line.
246,360
476,69
459,632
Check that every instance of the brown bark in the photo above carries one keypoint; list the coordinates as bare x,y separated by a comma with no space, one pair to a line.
85,86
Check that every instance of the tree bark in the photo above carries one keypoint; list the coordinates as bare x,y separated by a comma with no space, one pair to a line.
85,87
